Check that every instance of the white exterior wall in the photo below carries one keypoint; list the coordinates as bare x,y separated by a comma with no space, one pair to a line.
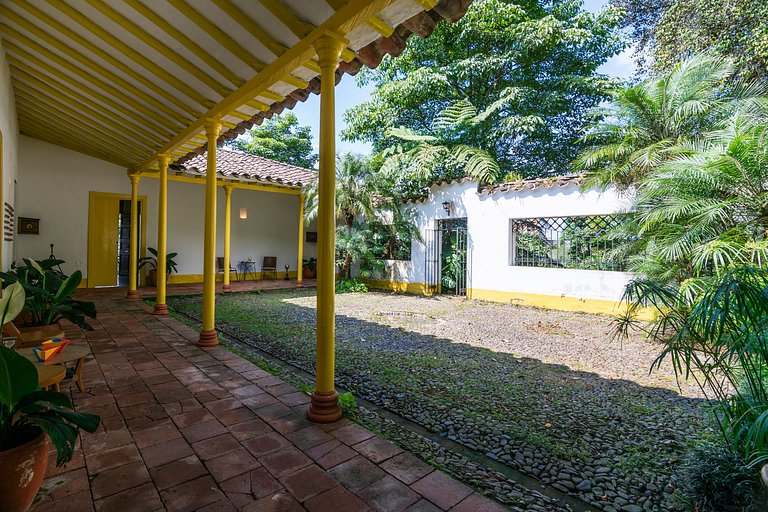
488,228
54,185
9,129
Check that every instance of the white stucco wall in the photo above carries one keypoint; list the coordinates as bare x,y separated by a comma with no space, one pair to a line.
488,227
10,130
54,184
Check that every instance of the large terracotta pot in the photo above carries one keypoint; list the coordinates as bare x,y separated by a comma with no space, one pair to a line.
308,273
152,278
24,468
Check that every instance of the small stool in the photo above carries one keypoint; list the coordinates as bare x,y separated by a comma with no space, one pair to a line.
49,376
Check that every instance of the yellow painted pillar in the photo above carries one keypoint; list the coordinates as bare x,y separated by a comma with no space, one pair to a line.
133,250
208,337
324,407
227,219
300,266
161,308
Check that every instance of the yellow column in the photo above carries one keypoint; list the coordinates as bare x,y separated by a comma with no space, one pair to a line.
133,255
300,266
227,219
324,407
161,308
208,337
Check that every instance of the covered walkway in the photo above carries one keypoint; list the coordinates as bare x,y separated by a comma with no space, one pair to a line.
186,428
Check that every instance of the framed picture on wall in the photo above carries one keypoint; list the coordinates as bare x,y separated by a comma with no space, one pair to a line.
28,226
311,237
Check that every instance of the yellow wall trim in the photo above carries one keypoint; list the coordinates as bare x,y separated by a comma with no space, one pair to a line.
396,286
198,278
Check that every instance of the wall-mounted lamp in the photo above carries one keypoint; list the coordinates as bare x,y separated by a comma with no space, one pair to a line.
447,206
243,213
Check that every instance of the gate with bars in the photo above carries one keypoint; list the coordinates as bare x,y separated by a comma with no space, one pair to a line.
446,257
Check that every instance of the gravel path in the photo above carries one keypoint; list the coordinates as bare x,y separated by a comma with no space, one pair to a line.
547,393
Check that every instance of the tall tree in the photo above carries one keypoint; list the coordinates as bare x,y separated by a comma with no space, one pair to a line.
669,31
547,51
279,138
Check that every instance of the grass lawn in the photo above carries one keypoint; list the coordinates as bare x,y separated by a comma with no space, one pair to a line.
545,392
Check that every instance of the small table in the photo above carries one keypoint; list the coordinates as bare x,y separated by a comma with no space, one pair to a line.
70,353
249,267
48,376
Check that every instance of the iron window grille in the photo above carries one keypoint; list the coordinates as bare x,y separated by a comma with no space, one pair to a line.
584,242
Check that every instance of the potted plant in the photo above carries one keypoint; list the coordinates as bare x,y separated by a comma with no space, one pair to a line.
151,263
310,268
26,416
49,294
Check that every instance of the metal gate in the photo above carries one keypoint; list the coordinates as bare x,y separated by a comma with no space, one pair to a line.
446,257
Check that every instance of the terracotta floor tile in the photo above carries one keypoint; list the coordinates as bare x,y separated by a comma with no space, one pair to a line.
341,453
294,399
423,506
407,468
235,416
145,438
284,461
279,502
266,443
193,417
119,479
351,434
377,449
166,452
476,503
138,499
113,458
249,429
191,495
388,495
223,505
357,473
177,472
204,430
263,483
231,464
308,482
215,446
442,490
337,499
322,449
308,437
77,502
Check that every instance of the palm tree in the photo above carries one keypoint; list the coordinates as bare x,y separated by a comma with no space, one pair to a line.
645,124
454,146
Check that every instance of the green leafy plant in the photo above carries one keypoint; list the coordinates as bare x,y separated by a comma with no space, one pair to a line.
25,411
151,261
49,293
310,263
350,286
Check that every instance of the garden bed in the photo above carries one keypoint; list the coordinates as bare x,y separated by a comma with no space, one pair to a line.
548,393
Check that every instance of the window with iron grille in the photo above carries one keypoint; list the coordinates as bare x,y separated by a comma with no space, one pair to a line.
585,242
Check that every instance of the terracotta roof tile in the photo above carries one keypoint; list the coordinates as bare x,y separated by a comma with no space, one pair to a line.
513,186
236,165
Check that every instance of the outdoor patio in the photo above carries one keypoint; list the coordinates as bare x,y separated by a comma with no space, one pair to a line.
185,428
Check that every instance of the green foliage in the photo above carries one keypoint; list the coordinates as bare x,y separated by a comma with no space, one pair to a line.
310,263
279,138
538,58
672,30
350,286
151,261
11,302
25,411
49,293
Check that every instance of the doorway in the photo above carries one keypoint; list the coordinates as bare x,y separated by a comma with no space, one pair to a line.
109,227
446,257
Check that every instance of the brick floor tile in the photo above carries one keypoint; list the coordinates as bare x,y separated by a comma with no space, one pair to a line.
407,468
113,458
231,464
138,499
263,483
177,472
289,423
322,449
337,499
308,437
247,391
267,443
127,400
308,482
351,434
204,430
388,495
119,479
377,449
357,473
64,485
476,503
222,405
240,500
97,442
278,502
155,435
235,416
423,506
341,453
77,502
442,490
258,401
191,495
166,452
215,446
329,427
223,505
284,461
193,417
294,399
249,429
276,410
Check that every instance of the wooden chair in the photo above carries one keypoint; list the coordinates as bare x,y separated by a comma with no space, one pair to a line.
220,268
27,337
269,265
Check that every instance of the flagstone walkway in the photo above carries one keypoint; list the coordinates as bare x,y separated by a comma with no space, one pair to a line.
190,429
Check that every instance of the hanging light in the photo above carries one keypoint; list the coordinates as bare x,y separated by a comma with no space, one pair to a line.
243,213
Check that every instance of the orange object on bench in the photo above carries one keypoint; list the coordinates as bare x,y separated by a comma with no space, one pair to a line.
49,348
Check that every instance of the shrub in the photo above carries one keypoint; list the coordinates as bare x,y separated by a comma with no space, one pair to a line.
350,285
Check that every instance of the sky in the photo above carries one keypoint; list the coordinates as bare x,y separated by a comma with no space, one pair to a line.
348,94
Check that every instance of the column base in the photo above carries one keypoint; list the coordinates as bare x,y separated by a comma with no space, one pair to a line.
132,294
324,407
208,339
299,284
226,288
160,309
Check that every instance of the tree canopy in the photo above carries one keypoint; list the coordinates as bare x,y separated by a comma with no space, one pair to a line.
669,31
280,138
548,52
